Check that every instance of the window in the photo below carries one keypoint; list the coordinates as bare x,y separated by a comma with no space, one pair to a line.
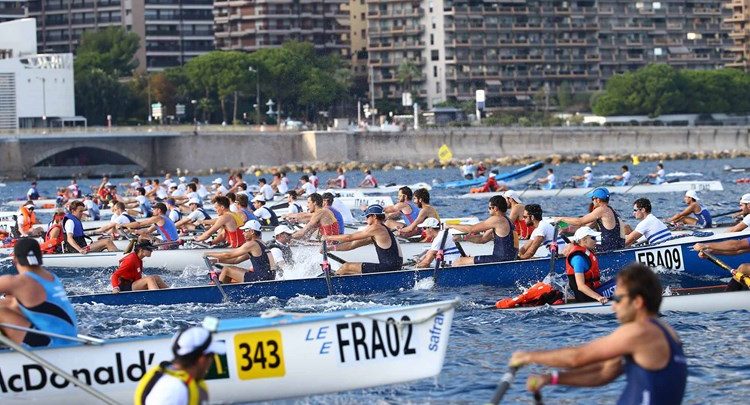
435,55
434,71
432,39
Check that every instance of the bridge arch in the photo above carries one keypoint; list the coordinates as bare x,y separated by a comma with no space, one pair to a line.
90,155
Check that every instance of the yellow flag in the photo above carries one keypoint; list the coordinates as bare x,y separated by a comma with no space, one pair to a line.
636,161
445,154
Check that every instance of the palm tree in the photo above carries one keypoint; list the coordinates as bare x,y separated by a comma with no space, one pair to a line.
407,73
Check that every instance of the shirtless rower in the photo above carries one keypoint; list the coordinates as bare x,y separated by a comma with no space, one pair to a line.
261,259
317,217
604,216
496,228
227,221
377,233
694,213
422,201
75,239
405,209
158,222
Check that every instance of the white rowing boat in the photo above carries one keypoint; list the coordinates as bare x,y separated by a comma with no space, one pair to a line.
287,356
680,186
707,302
363,191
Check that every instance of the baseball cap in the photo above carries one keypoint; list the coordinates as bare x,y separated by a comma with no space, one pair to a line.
374,209
136,177
692,194
599,192
745,199
194,200
182,179
29,205
430,223
587,169
493,173
28,252
259,198
251,225
145,244
107,184
514,195
583,232
282,229
196,341
171,201
217,180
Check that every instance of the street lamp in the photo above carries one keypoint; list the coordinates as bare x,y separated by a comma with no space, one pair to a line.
195,115
257,93
270,105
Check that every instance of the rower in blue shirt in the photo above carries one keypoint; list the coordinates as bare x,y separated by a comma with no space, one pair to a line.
694,213
644,348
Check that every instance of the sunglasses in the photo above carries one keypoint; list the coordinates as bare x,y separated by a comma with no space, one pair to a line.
636,209
617,298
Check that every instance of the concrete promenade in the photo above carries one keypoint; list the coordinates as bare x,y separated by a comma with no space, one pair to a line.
166,149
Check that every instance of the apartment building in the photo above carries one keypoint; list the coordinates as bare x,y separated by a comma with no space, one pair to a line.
253,25
358,36
12,10
740,34
171,31
516,49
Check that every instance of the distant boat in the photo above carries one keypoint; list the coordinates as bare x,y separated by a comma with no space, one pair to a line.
520,175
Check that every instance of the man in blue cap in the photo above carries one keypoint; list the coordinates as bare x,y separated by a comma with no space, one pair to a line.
604,217
386,246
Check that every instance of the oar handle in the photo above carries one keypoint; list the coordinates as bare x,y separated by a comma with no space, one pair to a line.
503,385
715,260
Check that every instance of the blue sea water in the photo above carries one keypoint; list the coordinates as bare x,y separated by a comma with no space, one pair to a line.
482,339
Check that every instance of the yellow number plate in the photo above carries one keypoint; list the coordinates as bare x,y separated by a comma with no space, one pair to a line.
259,355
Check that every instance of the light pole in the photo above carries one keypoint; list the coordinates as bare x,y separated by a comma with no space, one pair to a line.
270,111
257,93
195,115
44,100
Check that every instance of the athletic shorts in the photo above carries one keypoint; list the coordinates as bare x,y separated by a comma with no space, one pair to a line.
125,285
380,267
487,259
251,276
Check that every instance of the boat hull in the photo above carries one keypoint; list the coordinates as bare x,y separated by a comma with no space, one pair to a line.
299,349
515,176
680,186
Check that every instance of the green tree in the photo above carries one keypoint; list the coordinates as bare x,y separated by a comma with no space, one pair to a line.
111,50
99,94
408,72
219,74
564,95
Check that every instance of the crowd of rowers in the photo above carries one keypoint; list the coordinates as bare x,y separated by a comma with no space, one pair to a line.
169,216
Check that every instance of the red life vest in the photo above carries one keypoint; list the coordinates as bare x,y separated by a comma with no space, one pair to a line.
592,275
522,230
29,219
236,237
51,245
538,294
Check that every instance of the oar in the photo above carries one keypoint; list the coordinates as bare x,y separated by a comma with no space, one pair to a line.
439,259
503,385
279,206
723,214
528,185
563,187
336,258
553,252
640,181
743,279
49,366
326,268
88,340
215,278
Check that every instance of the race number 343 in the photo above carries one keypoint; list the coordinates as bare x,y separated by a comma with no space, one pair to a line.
259,355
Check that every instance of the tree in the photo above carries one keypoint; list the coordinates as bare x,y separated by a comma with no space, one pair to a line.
407,74
99,94
112,50
564,95
219,74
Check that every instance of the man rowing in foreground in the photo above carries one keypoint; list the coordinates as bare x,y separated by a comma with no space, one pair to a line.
650,226
129,273
605,218
542,235
700,216
644,348
386,246
227,221
498,229
36,299
745,212
741,276
261,259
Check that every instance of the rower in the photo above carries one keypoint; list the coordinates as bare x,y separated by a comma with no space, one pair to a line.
548,182
516,206
229,221
129,273
182,381
700,216
650,226
307,187
498,229
431,227
92,208
314,178
605,218
377,233
481,169
75,239
32,194
339,181
643,348
202,192
281,250
218,188
242,206
491,185
75,191
659,176
236,182
745,211
158,222
291,198
369,181
468,170
543,234
405,209
27,220
330,201
582,266
317,216
197,215
623,179
283,183
425,210
174,211
119,217
265,215
260,257
35,299
266,191
587,177
55,236
740,276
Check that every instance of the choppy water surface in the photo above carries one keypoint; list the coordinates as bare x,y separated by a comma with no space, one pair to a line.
482,339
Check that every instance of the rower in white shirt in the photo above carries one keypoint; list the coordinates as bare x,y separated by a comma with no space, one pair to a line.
624,178
650,227
542,235
659,176
265,189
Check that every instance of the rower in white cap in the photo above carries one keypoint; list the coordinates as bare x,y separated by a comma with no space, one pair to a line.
693,214
587,177
745,212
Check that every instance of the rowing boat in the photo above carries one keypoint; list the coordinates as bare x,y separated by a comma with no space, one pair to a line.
389,189
676,256
519,175
286,356
706,302
679,186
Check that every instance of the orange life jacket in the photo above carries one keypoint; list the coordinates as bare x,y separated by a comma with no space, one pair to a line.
522,230
51,245
532,296
591,276
29,219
